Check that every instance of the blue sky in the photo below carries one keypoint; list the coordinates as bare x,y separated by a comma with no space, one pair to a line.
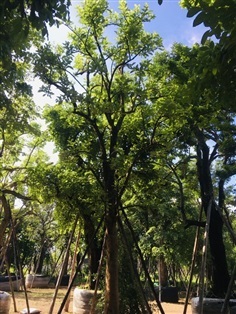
170,23
173,25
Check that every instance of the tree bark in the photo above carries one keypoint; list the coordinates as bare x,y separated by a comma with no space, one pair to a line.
220,275
112,293
40,262
163,272
6,219
112,286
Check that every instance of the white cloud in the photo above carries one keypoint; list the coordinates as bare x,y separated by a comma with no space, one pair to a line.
194,38
192,34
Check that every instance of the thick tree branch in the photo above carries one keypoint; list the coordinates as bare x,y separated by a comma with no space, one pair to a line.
17,194
190,223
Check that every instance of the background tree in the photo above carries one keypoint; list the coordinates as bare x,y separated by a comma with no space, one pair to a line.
219,18
73,195
37,234
13,161
19,17
202,125
20,22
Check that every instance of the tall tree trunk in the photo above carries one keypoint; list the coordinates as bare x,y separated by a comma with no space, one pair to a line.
112,293
112,287
220,275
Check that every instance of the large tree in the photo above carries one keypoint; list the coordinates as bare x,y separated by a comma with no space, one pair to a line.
205,123
105,120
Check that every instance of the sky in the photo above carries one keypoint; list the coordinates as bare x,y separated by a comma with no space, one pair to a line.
173,25
171,22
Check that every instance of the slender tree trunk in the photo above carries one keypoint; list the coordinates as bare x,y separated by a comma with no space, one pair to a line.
65,263
220,275
6,218
163,272
40,262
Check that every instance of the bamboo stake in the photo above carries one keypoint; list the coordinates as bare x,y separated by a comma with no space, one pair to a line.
10,284
143,264
227,297
125,240
78,267
92,310
194,254
227,224
66,308
63,266
204,257
20,267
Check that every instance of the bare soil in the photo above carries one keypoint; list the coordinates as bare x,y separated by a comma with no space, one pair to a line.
41,299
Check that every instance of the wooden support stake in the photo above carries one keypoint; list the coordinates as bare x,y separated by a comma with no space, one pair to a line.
63,267
143,264
66,308
229,290
10,284
92,310
20,266
204,258
78,267
195,247
125,240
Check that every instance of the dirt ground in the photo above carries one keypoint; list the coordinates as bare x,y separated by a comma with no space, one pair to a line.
41,299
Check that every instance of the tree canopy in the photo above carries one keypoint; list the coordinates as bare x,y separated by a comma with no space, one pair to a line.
146,137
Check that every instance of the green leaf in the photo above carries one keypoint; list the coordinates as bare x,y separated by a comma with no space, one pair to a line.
199,19
214,71
205,36
193,11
